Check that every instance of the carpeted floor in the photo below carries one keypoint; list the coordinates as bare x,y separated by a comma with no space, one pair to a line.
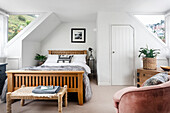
101,102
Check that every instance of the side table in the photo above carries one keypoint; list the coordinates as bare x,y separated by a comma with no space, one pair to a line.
143,75
26,93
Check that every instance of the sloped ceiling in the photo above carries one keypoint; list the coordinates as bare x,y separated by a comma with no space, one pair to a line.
84,10
47,26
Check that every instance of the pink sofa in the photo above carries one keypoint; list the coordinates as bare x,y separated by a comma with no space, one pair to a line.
150,99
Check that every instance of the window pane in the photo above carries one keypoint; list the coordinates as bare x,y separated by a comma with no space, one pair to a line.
154,23
17,23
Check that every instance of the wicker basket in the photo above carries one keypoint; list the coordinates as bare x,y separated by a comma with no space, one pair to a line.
149,63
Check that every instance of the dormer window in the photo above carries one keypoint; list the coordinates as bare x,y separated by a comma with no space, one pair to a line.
155,24
17,23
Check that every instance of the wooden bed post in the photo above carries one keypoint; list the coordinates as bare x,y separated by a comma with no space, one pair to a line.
80,92
10,82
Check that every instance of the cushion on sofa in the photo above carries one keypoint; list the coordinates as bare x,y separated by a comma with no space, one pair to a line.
156,79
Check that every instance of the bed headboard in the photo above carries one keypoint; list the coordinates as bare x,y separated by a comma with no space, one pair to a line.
66,52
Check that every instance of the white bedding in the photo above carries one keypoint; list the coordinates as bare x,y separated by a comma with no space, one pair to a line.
86,67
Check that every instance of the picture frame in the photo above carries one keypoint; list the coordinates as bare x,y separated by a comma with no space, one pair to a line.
78,35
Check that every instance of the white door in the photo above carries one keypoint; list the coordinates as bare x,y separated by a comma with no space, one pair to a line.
122,55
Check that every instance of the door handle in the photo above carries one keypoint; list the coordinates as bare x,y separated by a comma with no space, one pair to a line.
113,52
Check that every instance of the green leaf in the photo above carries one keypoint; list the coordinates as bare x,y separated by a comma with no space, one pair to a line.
150,53
40,57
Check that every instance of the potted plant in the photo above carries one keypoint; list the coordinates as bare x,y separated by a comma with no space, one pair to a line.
40,58
149,57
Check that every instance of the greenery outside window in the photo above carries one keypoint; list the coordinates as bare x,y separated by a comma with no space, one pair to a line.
17,23
155,24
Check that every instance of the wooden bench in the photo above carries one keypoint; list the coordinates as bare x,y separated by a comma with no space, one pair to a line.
26,93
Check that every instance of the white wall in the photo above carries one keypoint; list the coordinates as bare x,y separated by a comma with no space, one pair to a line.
60,38
14,54
31,44
142,37
167,25
29,50
13,63
3,34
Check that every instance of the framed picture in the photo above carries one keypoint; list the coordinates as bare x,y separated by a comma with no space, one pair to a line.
78,35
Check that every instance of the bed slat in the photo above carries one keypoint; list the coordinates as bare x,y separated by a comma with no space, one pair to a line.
68,82
33,80
26,81
71,82
46,80
57,81
61,81
30,81
50,80
16,81
43,80
40,80
75,82
19,81
64,80
23,81
36,80
54,81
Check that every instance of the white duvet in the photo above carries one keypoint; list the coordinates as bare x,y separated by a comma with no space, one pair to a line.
86,67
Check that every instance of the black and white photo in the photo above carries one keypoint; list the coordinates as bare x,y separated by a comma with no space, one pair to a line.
78,35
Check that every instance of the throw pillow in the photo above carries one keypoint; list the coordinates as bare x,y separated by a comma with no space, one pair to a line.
156,79
64,58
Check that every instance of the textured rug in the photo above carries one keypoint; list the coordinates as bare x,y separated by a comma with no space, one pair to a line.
101,102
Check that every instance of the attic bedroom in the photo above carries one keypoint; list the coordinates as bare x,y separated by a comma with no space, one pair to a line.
84,56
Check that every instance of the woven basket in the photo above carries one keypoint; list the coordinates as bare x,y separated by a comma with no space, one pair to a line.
149,63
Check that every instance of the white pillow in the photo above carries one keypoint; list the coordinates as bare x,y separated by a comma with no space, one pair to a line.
79,58
52,59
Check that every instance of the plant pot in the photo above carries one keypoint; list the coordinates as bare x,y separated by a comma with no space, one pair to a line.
149,63
40,63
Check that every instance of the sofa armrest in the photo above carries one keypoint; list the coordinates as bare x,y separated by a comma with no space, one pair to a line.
117,96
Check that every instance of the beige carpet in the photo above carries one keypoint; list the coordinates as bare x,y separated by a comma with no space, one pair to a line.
101,102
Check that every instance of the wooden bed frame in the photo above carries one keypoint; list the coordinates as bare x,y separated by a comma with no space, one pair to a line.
73,79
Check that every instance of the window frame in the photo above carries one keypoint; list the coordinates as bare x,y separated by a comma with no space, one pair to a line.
156,37
20,33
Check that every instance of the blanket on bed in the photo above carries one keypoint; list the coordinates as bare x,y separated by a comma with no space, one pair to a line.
86,81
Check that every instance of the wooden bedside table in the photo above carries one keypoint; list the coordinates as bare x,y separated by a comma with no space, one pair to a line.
26,93
143,75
